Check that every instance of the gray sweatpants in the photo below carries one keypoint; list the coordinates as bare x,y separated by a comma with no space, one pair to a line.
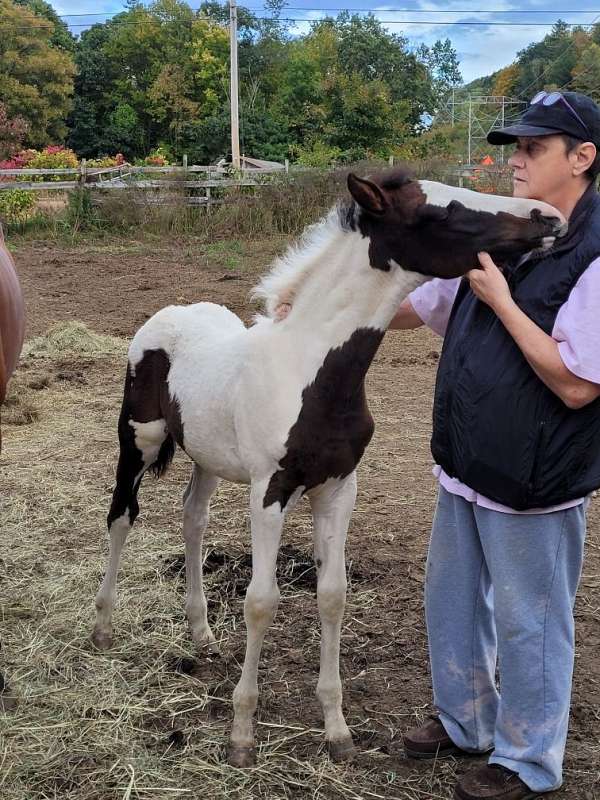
501,587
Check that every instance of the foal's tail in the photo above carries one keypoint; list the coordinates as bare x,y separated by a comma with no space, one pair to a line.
149,426
164,457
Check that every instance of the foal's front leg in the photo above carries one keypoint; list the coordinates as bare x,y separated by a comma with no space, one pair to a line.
332,506
262,599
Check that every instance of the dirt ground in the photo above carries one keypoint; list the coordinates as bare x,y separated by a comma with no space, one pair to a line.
150,718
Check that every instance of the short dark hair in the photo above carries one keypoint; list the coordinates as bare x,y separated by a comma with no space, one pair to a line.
571,143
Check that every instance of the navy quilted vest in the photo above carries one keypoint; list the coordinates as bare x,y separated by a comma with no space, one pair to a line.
496,426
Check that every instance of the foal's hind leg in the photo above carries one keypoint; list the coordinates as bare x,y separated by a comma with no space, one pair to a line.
141,445
196,502
332,506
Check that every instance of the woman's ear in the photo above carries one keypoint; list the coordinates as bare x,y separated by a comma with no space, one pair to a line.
585,153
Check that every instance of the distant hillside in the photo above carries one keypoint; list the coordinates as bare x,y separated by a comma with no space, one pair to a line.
567,59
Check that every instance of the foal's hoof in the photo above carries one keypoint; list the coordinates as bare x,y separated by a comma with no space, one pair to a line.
205,641
240,756
102,640
341,750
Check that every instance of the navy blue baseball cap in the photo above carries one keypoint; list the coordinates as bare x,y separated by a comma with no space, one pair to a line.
554,112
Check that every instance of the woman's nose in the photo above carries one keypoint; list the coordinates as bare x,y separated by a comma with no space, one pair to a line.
515,161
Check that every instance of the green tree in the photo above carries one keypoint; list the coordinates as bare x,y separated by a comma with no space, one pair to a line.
548,63
36,78
61,36
586,73
443,66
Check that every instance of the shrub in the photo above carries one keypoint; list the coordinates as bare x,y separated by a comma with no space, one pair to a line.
157,158
107,161
55,157
318,156
80,213
16,205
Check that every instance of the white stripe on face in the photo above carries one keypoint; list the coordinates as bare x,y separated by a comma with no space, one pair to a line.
438,194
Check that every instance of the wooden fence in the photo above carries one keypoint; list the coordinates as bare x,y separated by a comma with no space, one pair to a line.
196,183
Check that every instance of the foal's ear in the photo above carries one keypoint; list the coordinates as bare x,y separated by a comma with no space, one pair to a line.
367,194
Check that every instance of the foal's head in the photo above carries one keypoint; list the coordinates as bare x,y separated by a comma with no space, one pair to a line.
438,230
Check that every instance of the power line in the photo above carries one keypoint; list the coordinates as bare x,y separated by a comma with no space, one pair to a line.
369,10
50,25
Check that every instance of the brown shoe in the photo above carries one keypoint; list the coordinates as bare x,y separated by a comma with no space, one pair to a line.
430,740
492,782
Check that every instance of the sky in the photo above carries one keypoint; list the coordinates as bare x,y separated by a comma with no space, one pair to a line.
483,44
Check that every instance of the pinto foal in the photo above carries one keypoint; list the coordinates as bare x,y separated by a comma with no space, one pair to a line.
282,406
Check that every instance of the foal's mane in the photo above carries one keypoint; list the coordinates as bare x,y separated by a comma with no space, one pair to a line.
289,271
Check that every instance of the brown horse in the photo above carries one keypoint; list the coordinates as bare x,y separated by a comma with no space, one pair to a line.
12,319
12,332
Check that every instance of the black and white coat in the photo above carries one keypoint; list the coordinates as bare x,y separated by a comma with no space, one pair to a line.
282,406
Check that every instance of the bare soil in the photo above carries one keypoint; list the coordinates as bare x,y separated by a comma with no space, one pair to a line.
150,719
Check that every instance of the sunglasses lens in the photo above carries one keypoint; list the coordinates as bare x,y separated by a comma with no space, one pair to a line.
552,98
538,97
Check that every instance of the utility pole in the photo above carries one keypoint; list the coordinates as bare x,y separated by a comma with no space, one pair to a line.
235,115
470,131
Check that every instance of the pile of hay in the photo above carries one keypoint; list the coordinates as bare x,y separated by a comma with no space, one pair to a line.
73,338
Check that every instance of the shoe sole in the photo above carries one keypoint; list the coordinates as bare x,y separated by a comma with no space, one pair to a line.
445,753
459,796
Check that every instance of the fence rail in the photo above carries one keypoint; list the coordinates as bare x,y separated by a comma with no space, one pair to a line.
197,183
187,179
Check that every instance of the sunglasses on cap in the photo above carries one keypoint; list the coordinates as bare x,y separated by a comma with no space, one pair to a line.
550,98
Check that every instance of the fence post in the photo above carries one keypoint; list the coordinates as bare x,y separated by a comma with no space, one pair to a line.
391,161
287,165
83,173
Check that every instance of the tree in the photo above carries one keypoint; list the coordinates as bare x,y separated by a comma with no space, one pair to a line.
443,66
505,81
144,74
586,73
547,63
12,133
61,36
36,78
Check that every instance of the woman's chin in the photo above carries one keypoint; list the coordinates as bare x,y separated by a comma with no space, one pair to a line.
520,188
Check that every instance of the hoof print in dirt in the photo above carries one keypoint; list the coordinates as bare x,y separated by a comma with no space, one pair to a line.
183,665
176,740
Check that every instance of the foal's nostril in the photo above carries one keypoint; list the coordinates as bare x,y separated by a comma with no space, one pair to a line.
559,226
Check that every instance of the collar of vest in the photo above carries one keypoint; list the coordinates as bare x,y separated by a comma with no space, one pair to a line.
588,201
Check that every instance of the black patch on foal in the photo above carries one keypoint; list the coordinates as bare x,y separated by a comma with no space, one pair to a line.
145,399
334,425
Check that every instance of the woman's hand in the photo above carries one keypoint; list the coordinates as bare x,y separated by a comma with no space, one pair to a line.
281,311
489,284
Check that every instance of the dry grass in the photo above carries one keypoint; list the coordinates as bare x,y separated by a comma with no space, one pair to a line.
73,339
150,719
